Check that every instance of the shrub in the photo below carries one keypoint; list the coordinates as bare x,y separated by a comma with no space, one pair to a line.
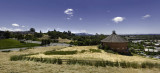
45,42
22,42
134,65
95,50
100,46
60,52
123,64
82,51
59,61
6,51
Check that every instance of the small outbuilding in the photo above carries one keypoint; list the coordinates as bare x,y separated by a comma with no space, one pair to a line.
116,43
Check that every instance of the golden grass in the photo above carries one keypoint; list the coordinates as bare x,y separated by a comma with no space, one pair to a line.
97,56
7,66
44,37
60,40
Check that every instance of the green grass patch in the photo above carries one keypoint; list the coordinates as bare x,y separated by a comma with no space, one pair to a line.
10,43
95,50
60,52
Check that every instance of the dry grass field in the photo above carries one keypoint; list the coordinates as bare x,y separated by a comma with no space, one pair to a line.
44,37
97,56
60,40
7,66
63,40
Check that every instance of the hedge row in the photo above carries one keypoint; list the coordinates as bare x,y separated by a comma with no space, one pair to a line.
122,64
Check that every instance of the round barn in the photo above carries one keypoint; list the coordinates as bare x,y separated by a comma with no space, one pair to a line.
116,43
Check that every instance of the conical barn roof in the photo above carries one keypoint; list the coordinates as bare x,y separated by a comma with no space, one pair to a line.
114,38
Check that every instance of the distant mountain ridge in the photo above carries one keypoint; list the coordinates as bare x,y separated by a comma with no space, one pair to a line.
83,34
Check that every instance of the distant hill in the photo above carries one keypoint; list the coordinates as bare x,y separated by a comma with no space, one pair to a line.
139,34
83,34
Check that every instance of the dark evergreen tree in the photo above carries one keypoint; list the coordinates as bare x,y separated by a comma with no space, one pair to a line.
32,30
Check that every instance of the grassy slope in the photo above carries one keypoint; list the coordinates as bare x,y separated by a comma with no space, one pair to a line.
10,43
7,66
97,56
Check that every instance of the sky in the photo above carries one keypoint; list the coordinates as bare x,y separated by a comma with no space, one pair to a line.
81,16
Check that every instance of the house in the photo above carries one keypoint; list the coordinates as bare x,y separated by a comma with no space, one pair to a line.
116,43
150,50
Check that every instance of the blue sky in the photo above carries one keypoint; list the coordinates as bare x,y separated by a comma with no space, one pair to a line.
90,16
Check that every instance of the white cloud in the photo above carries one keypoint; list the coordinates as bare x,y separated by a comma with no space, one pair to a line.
68,18
58,28
9,29
83,31
118,19
146,16
15,25
23,26
80,19
79,31
5,29
17,29
69,11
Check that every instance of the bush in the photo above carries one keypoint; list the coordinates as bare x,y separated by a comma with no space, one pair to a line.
22,42
82,51
6,51
60,52
100,46
95,50
46,42
54,41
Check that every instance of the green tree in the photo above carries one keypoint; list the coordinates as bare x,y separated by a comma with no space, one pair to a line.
38,35
29,37
7,34
32,29
20,36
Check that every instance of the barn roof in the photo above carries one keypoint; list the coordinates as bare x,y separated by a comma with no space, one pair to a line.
114,38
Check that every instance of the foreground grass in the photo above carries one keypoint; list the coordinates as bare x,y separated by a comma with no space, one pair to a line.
86,62
23,66
10,43
85,53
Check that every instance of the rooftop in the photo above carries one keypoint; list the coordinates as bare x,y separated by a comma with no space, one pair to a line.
114,38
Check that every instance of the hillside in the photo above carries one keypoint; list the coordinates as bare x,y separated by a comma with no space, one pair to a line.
93,53
37,67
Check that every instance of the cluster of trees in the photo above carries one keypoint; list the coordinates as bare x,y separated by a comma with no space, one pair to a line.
27,36
46,42
20,35
145,37
7,34
152,53
136,45
87,40
64,35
